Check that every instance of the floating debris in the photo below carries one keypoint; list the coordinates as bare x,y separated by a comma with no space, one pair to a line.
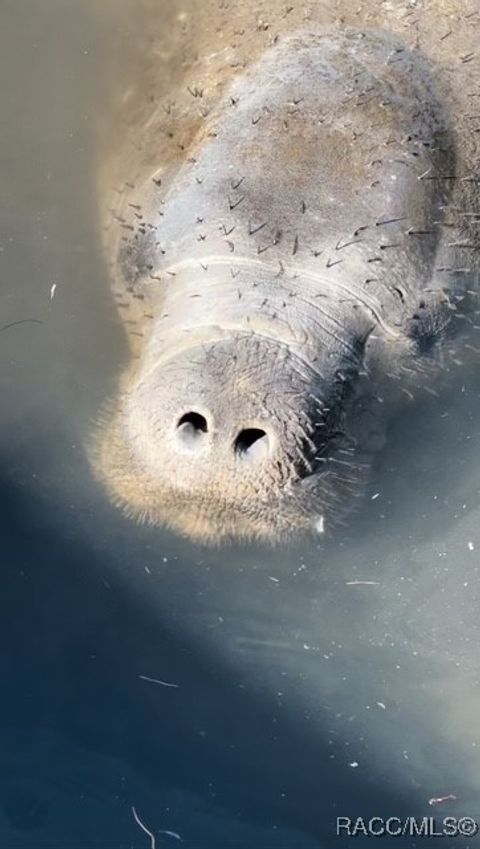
144,828
53,289
375,496
354,764
20,321
362,583
470,546
172,834
438,800
320,525
158,681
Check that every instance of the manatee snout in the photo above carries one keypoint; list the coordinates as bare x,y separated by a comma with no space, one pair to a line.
222,435
219,414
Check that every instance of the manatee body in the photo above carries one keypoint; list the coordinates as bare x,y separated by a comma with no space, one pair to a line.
293,231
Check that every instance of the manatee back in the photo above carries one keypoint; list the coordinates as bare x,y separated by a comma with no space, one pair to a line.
313,158
280,157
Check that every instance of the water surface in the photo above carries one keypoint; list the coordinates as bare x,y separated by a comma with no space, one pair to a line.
232,699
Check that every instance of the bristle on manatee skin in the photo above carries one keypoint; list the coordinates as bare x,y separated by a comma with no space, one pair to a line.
293,237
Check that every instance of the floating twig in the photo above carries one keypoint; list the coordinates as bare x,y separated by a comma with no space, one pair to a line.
144,828
158,681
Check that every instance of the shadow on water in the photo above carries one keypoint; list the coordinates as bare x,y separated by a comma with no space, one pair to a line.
334,679
275,662
78,643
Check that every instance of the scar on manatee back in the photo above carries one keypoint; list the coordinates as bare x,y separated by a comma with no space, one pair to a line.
279,283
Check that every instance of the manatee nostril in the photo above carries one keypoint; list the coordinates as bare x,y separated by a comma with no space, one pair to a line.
190,430
251,443
195,421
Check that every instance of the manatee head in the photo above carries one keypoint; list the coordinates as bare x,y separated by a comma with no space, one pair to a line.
273,265
238,437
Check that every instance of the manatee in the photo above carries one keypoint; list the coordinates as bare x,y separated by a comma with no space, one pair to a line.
292,227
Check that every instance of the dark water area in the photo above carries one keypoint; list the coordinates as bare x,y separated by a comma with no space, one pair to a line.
241,698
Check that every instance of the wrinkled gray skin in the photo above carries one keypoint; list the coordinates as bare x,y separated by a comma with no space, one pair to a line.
293,234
